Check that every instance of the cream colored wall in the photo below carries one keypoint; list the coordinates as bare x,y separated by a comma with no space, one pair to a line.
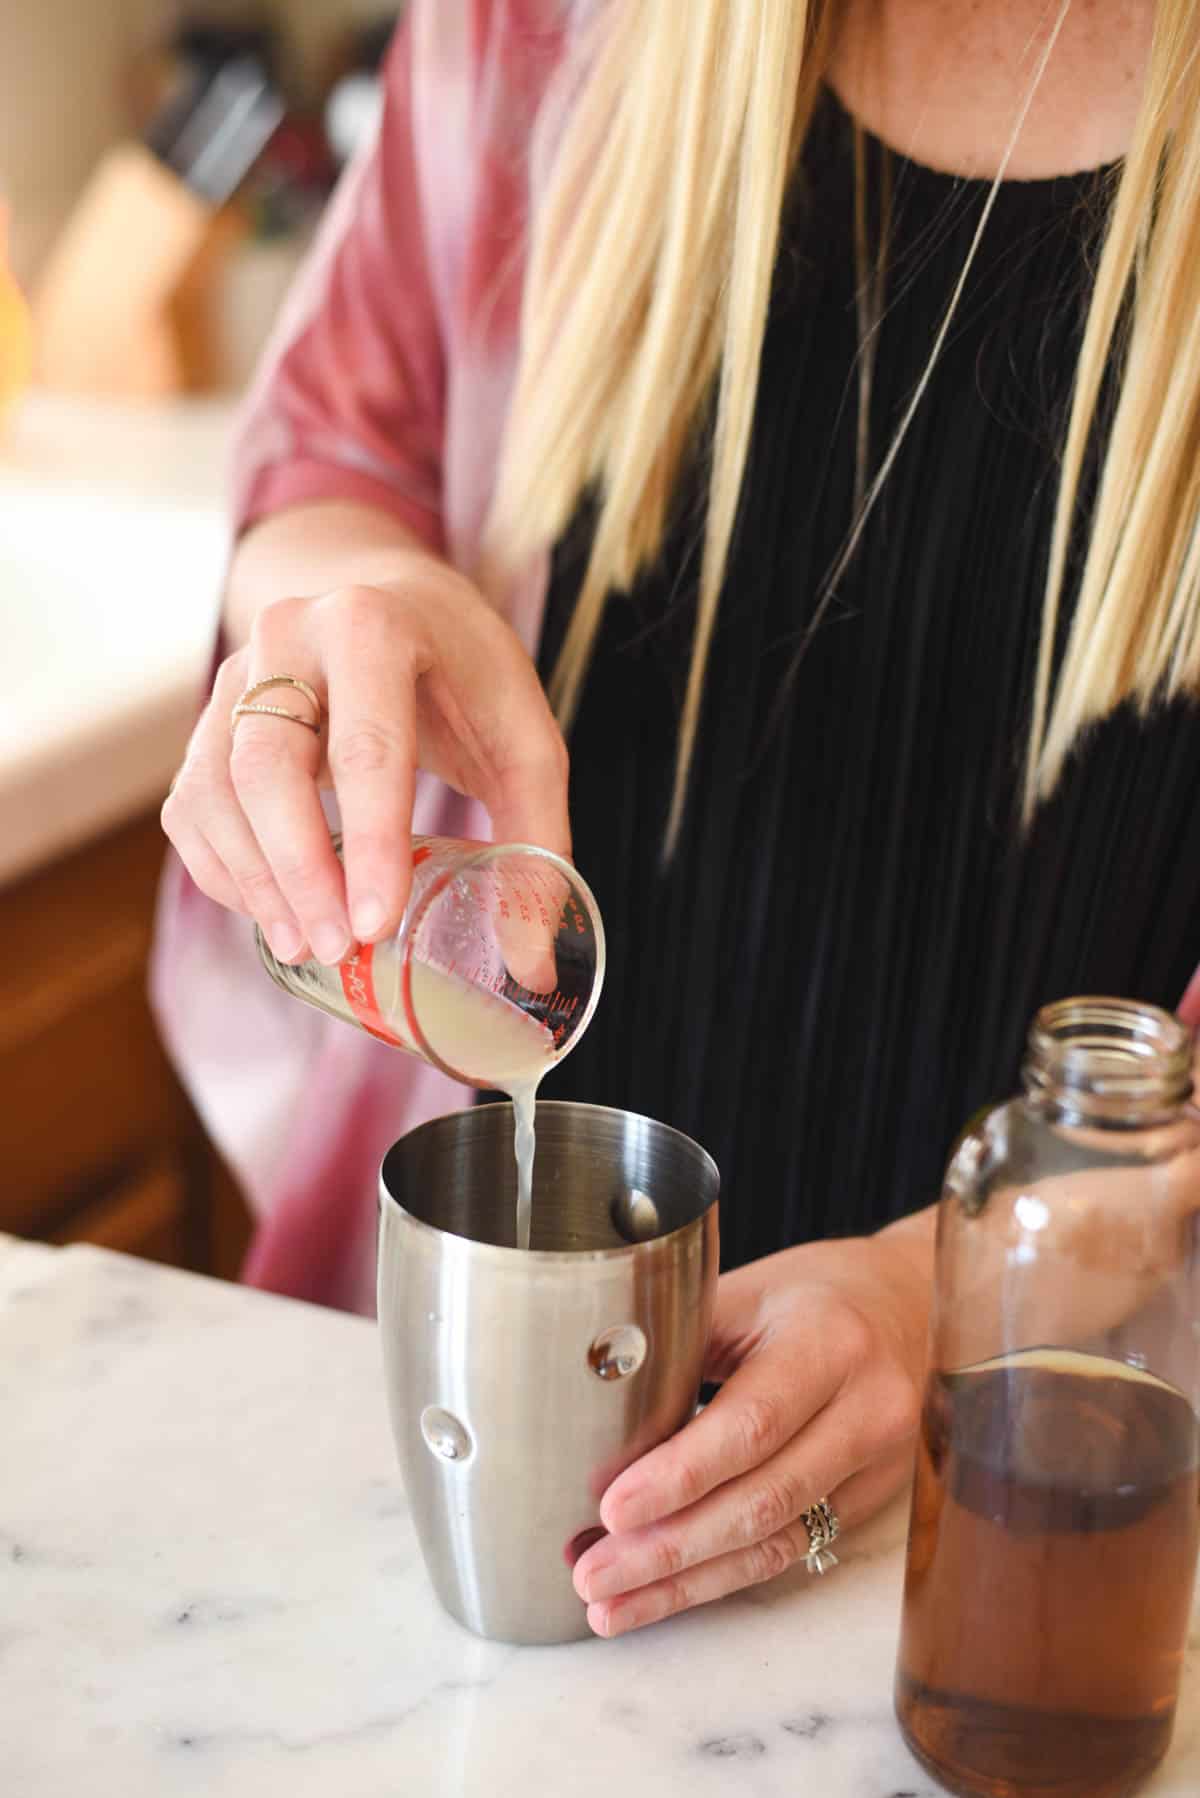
61,65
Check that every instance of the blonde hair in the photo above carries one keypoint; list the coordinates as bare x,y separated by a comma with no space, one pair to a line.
646,302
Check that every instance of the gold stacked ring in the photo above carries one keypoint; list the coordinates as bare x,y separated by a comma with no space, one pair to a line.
245,707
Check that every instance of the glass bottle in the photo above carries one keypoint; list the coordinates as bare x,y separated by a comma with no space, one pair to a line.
1056,1511
493,974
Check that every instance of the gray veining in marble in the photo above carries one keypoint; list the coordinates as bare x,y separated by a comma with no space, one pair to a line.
209,1586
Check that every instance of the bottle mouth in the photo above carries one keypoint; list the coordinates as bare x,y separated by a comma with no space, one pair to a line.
1110,1055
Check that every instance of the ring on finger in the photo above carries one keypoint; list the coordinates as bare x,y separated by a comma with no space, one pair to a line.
821,1522
246,706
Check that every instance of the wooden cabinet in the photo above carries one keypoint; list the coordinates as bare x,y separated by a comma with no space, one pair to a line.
100,1142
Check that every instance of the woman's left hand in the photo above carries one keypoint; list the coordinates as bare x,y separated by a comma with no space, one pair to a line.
821,1352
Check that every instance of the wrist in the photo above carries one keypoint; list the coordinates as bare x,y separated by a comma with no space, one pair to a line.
903,1254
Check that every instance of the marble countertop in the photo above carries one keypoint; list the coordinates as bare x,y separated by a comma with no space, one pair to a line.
112,546
209,1585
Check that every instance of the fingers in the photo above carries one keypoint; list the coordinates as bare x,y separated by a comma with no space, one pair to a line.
754,1506
755,1413
234,846
508,749
421,667
700,1585
206,868
372,665
531,899
274,766
750,1510
203,819
853,1503
528,803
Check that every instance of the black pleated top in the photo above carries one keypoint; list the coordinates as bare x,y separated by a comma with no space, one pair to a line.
840,963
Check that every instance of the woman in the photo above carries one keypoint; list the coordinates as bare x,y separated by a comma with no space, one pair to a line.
780,375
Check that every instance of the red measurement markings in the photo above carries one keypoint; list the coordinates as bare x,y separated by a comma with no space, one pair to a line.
358,984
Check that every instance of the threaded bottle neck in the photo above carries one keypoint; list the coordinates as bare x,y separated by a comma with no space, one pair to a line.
1116,1062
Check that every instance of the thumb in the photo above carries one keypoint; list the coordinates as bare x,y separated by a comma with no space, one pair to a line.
529,805
737,1326
511,752
505,744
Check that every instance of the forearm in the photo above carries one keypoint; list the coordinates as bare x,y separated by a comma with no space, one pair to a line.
313,549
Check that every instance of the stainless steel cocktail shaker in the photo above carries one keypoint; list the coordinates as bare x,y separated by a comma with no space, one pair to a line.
521,1383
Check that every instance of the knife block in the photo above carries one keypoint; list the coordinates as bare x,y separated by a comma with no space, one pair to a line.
15,332
101,310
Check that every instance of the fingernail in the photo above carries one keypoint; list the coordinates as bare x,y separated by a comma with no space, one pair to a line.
367,917
285,940
584,1571
605,1581
330,943
599,1620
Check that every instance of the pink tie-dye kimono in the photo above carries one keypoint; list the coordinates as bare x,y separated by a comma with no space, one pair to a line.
388,382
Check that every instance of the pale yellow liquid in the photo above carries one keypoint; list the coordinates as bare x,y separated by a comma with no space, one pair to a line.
498,1045
524,1100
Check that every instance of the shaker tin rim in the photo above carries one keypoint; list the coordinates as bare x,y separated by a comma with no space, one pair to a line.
512,1255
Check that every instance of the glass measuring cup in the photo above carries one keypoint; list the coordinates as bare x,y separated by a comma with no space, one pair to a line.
493,974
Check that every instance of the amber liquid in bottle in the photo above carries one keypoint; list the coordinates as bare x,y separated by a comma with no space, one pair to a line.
1053,1537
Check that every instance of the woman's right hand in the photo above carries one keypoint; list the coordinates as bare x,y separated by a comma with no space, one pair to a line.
418,672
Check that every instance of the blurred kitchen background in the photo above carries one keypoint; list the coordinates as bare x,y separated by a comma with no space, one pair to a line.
162,169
